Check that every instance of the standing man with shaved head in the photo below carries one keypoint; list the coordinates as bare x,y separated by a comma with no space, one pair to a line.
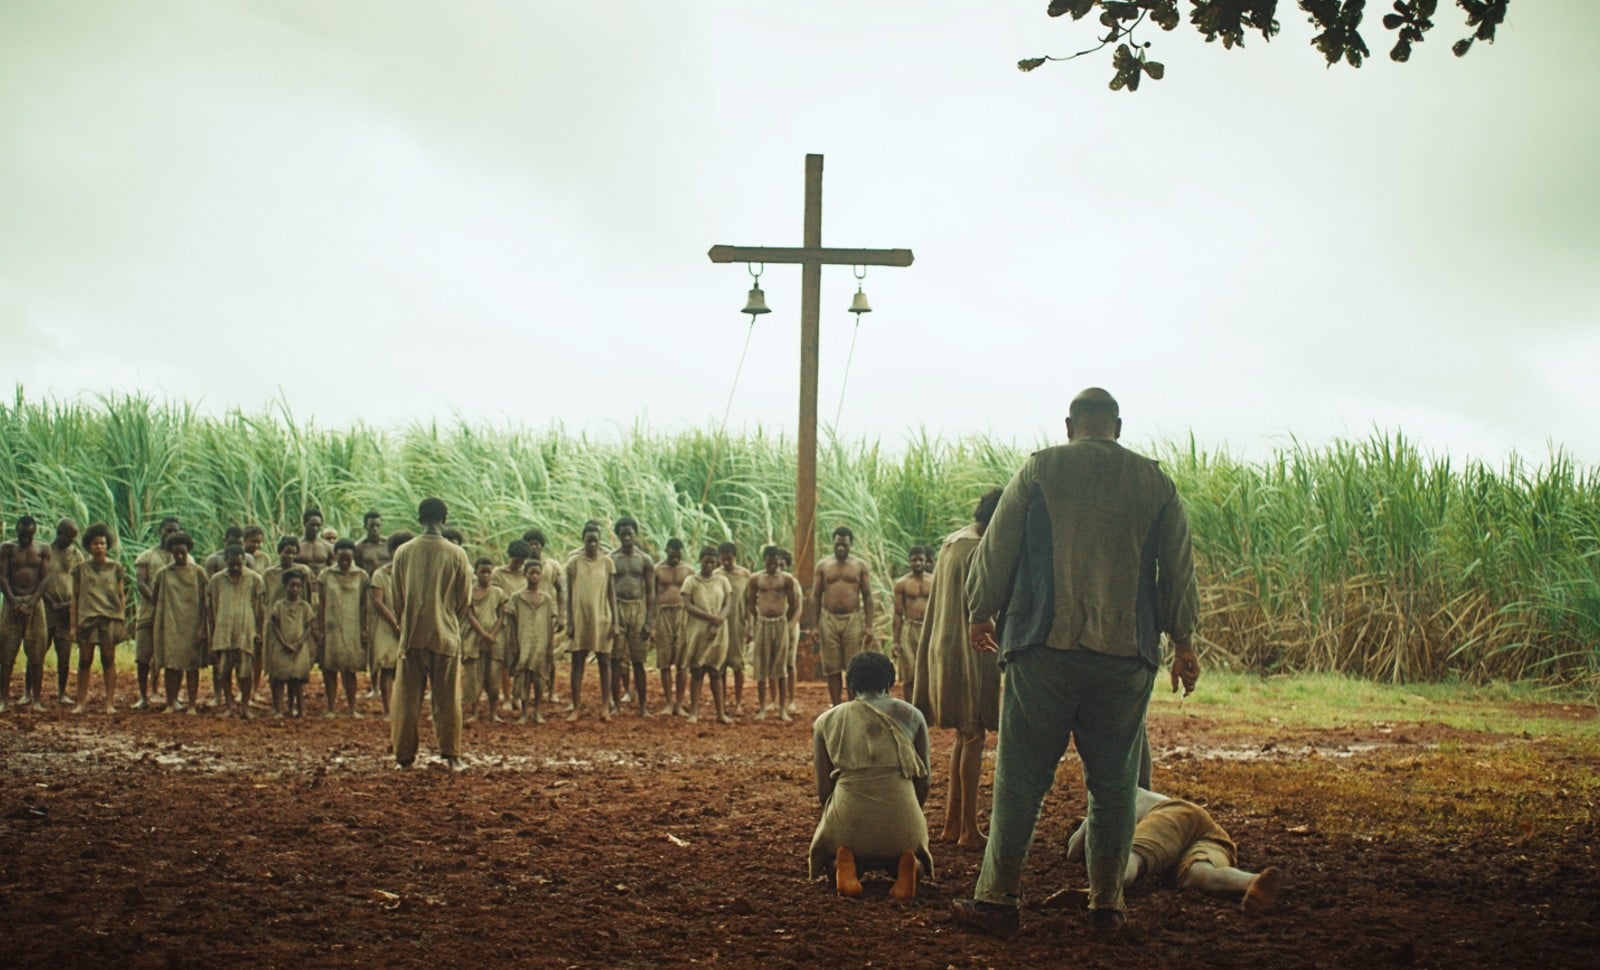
1088,558
432,587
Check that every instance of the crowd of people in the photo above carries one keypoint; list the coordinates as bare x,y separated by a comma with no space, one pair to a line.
330,603
1067,581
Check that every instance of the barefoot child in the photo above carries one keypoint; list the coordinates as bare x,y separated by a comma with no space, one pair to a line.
99,610
343,617
290,645
511,578
234,615
531,620
486,616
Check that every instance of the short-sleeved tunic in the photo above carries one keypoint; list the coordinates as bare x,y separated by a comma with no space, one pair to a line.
344,595
707,644
289,641
587,581
530,627
385,641
236,611
179,611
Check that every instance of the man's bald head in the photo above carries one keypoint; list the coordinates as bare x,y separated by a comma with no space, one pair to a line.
1094,414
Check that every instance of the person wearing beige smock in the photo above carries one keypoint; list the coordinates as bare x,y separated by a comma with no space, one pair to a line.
871,761
235,619
178,627
591,612
432,593
343,618
708,601
1088,558
145,566
383,621
956,686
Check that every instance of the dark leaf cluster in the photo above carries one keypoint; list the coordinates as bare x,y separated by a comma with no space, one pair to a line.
1412,18
1232,19
1341,35
1338,23
1130,65
1485,16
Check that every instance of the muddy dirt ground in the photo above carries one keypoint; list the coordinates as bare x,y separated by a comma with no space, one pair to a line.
152,840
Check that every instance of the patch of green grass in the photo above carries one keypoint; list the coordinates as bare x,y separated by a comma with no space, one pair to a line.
1328,701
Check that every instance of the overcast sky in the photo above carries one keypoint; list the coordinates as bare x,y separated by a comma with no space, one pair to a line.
396,210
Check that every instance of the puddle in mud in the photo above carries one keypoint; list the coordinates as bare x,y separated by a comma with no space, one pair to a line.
114,752
1272,752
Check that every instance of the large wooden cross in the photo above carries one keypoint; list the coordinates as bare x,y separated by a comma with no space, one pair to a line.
812,257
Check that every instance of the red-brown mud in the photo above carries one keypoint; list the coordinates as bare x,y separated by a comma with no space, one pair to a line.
147,840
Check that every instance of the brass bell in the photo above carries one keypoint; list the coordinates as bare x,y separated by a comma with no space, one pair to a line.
756,303
859,304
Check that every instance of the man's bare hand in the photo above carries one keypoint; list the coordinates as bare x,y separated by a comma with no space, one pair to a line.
1185,668
981,636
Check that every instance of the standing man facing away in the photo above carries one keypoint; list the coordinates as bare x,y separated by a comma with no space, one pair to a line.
1088,557
432,592
841,617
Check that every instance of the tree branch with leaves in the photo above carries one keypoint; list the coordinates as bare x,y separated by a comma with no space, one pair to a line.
1338,24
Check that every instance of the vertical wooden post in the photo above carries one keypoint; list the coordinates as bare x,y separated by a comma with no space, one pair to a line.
805,490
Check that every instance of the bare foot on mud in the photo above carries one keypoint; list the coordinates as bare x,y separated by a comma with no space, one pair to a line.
1263,892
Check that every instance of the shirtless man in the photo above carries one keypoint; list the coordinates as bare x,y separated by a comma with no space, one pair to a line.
840,612
1178,837
372,550
739,630
636,608
57,593
787,700
145,567
910,606
218,561
771,602
24,569
315,551
254,538
669,628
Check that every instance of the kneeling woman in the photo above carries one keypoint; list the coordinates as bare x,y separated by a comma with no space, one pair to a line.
871,757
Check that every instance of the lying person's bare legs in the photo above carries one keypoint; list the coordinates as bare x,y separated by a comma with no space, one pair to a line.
1256,892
